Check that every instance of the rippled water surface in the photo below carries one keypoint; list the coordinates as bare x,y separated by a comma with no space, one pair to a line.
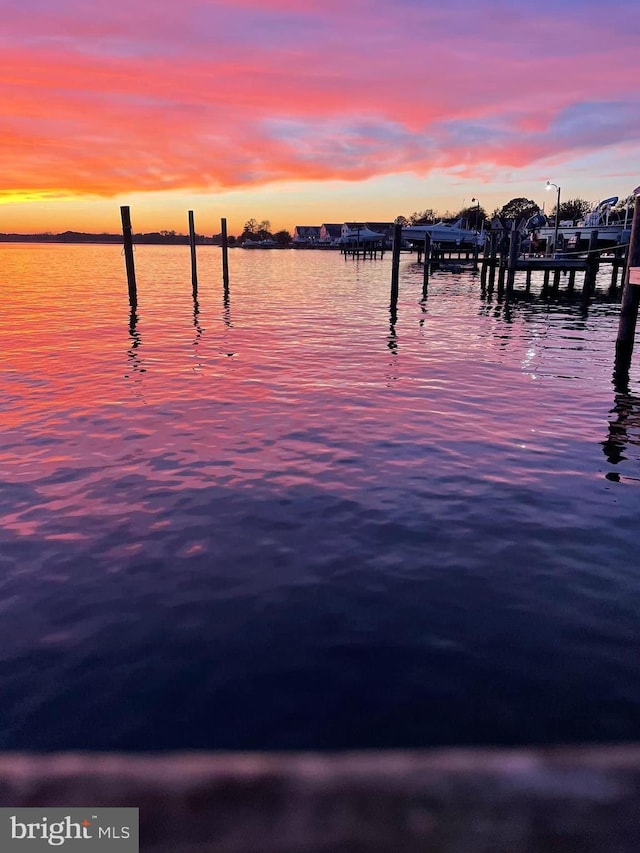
280,520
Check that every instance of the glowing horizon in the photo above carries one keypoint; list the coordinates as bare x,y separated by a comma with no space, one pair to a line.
307,115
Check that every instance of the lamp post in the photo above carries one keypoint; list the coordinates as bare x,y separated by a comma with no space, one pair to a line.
477,204
555,235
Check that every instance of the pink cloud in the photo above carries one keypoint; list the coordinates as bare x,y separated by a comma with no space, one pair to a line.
154,96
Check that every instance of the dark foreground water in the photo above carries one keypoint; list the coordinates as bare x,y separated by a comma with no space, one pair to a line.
281,521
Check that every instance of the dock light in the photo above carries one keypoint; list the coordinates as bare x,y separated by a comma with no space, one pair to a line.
477,204
555,236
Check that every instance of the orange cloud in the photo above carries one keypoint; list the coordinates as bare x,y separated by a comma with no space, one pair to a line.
120,100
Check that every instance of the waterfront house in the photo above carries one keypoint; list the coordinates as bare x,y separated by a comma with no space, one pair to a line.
330,233
305,235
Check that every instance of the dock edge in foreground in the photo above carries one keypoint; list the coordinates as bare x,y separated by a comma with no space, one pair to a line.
447,801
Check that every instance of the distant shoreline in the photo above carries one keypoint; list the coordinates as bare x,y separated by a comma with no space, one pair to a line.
152,238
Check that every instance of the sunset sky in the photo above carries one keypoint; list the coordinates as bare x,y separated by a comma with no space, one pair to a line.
311,112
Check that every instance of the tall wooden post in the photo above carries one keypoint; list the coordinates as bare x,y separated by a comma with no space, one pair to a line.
225,254
427,264
630,302
593,263
514,250
493,259
395,263
192,244
125,214
504,257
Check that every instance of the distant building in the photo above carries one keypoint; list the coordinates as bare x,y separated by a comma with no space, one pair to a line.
306,234
330,233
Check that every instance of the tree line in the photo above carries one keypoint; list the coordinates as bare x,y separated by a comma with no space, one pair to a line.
518,208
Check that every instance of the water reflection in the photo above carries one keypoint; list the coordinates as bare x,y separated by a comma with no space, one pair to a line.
624,429
226,309
135,362
392,344
199,331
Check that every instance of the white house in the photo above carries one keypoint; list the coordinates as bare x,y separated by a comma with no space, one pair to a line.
306,234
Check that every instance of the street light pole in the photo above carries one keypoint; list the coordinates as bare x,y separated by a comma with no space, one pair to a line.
555,235
477,201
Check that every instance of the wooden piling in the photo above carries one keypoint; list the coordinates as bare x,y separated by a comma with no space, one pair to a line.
427,264
512,258
593,263
629,304
614,276
192,244
125,214
225,253
572,281
492,259
485,262
395,263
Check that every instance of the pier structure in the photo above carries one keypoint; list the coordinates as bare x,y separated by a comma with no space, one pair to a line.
369,249
503,256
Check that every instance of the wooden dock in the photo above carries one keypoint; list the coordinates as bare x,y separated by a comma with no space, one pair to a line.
503,258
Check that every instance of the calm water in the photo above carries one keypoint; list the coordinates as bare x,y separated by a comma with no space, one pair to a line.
283,522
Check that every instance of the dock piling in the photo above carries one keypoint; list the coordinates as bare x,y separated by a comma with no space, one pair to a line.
593,263
125,214
225,253
194,265
630,303
395,263
514,250
427,264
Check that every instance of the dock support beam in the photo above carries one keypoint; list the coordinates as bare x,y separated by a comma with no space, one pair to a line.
514,250
593,264
427,264
194,265
629,306
225,254
125,214
395,264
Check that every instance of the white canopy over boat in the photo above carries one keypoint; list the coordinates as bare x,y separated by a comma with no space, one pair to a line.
362,234
444,232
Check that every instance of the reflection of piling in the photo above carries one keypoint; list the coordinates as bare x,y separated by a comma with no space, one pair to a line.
127,237
192,244
395,263
427,264
225,254
630,301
